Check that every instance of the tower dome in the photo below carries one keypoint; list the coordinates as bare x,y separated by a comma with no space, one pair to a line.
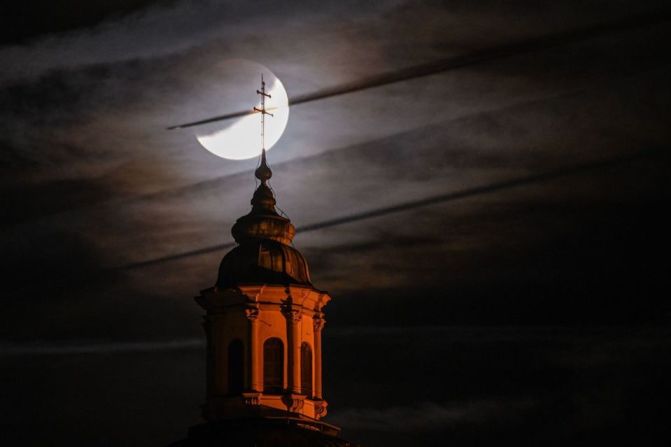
264,254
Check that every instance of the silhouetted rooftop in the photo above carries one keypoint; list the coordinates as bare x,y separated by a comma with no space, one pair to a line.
259,433
264,254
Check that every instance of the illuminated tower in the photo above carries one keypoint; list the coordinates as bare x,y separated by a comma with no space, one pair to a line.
264,322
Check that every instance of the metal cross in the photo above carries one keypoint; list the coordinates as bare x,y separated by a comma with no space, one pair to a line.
263,112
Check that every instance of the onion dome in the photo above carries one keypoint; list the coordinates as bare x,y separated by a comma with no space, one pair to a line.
263,254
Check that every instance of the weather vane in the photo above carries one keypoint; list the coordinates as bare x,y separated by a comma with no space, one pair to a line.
263,112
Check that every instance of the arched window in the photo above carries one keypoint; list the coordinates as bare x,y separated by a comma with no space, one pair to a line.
236,362
306,369
273,366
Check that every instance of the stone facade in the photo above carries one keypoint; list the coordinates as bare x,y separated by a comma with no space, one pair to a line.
253,314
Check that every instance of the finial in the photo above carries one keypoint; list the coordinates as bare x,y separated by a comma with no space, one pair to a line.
263,172
263,200
263,221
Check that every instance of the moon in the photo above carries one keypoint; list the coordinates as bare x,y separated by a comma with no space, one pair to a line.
241,139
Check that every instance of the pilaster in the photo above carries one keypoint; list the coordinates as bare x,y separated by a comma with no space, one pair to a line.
255,374
318,324
294,317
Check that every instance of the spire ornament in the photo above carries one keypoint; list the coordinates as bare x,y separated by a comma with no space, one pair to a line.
263,200
263,222
263,196
263,112
263,172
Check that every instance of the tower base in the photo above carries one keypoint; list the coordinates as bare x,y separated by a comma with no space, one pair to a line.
264,432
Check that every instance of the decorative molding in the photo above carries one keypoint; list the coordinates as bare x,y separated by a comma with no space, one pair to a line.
292,313
299,296
318,323
293,402
252,399
258,293
320,408
252,313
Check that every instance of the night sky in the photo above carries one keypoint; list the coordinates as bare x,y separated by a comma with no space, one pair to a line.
486,200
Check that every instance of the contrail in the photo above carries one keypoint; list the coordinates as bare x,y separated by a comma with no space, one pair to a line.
432,200
451,63
625,24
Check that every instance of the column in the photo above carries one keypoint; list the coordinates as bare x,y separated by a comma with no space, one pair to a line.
294,349
318,325
255,381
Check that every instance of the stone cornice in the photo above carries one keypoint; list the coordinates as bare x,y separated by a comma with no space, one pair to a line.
260,297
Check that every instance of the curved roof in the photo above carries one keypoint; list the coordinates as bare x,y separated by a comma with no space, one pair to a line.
264,254
263,261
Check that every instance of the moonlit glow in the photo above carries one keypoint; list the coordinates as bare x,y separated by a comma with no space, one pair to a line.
241,139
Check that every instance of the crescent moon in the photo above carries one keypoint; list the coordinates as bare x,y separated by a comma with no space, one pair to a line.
241,139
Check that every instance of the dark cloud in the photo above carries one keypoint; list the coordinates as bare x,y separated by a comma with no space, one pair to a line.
32,201
27,20
386,385
28,349
175,27
429,416
506,383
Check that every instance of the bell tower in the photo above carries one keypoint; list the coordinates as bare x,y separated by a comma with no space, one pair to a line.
264,321
264,318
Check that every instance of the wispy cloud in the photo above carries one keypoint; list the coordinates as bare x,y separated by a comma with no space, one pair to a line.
430,416
17,349
164,29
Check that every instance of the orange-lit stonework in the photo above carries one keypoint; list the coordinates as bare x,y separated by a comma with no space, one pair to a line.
254,314
264,322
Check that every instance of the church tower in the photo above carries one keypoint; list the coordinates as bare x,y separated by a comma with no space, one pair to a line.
264,321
